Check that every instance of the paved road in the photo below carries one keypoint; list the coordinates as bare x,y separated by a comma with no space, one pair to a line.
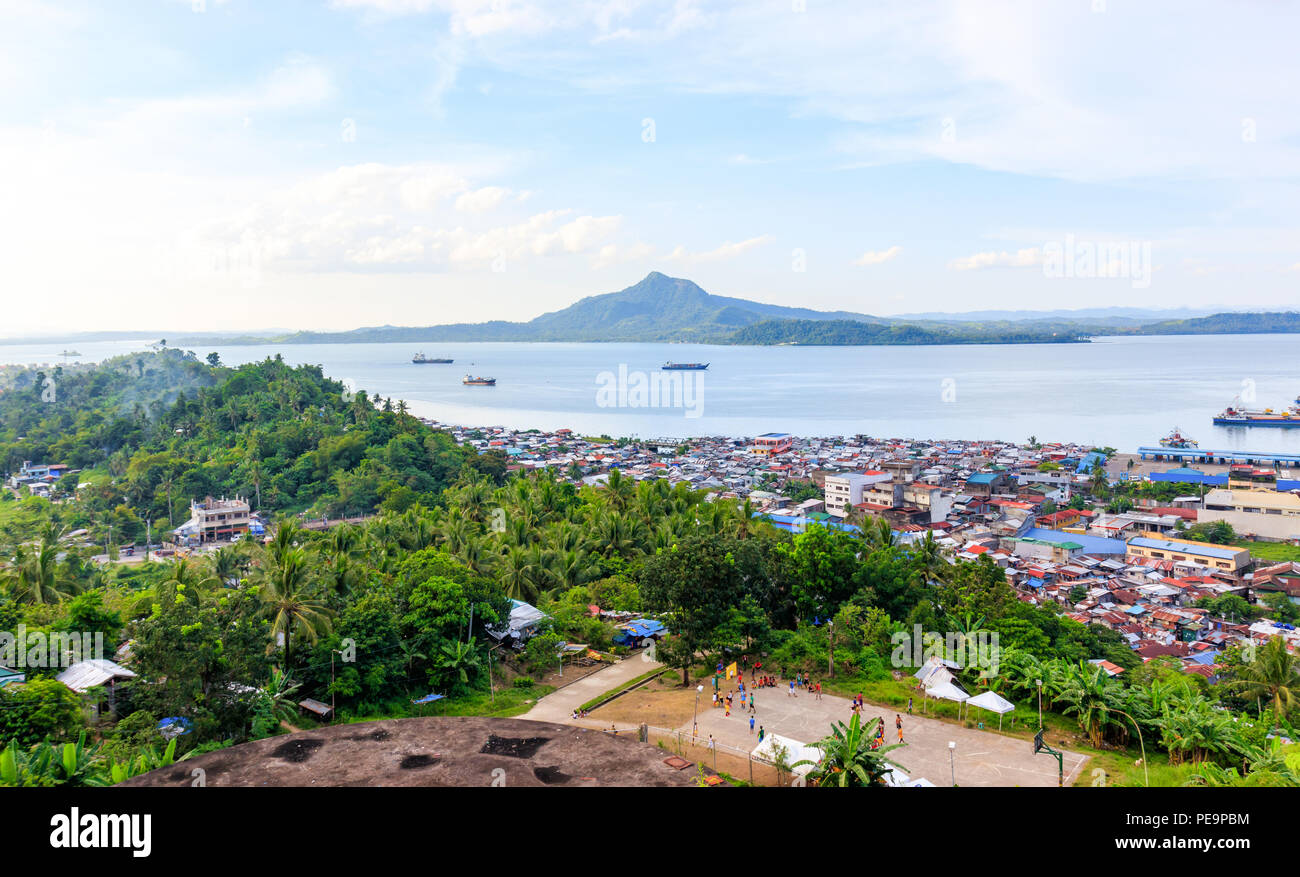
982,758
558,706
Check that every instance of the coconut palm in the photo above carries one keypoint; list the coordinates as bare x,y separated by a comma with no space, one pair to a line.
566,569
519,573
619,534
847,757
290,602
34,574
1271,675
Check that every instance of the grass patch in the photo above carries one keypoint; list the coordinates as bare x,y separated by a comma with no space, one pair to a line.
1273,552
507,702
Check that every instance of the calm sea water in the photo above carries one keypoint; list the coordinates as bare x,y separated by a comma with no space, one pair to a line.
1122,392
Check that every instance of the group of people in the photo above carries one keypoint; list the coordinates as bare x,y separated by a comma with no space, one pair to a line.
725,700
804,681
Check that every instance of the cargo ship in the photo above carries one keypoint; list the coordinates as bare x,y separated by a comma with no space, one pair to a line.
685,366
1176,439
479,382
421,359
1237,416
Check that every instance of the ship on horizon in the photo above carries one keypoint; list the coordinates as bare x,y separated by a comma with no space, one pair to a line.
684,366
421,359
479,382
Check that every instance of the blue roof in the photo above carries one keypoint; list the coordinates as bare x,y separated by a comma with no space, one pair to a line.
1188,476
644,627
1091,544
982,477
1091,459
1185,547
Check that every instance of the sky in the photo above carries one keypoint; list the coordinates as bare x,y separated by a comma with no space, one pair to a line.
233,165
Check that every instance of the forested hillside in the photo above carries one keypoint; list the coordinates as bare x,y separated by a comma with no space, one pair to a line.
288,438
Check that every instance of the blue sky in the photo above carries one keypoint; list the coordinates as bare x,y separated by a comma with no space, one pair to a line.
227,164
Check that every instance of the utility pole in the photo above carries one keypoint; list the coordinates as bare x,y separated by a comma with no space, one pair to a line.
830,626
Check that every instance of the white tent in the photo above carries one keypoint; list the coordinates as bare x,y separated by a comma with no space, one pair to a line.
994,703
947,691
795,751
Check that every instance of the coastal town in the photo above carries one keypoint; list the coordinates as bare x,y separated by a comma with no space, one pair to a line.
1032,509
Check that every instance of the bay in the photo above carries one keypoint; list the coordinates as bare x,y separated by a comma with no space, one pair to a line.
1122,392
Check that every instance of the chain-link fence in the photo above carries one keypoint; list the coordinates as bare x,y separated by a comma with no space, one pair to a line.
735,763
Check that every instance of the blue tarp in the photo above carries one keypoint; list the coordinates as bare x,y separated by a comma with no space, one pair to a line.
639,629
175,726
429,698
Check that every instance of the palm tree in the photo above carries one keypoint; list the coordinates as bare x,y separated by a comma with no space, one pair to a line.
34,574
1090,693
1271,675
848,759
929,556
619,534
569,568
519,572
289,602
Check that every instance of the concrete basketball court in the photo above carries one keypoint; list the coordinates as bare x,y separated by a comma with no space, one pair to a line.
982,758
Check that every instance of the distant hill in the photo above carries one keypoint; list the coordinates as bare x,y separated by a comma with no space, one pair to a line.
658,308
663,308
1125,316
842,332
1267,323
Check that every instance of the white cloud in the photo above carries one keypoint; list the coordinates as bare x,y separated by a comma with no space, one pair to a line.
993,259
728,250
480,200
876,257
613,254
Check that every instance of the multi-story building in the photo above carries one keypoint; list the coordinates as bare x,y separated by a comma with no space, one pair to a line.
847,490
1269,514
1222,557
772,443
214,520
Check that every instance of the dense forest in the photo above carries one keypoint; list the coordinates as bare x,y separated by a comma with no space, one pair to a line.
150,432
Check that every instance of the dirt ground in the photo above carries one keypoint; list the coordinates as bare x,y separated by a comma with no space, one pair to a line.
662,702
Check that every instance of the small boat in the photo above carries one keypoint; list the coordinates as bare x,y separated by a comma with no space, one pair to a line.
421,359
479,382
684,366
1176,439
